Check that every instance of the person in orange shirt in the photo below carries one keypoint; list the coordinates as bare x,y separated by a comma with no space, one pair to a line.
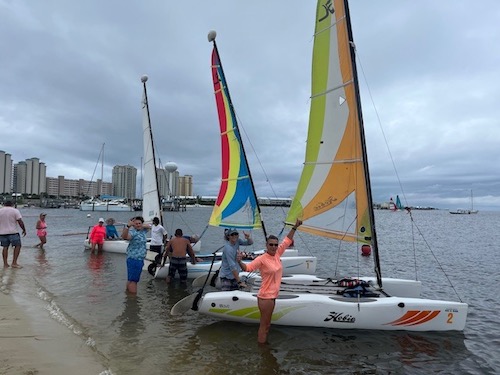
271,271
97,235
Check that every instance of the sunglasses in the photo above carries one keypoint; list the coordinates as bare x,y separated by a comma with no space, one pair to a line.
272,244
234,234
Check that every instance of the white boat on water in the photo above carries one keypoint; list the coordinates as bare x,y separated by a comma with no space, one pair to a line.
98,205
292,264
312,283
119,246
334,200
151,201
464,211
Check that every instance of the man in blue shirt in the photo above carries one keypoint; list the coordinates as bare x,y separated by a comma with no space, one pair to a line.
229,270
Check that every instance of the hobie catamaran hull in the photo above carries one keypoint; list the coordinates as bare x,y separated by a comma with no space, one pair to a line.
339,312
312,284
291,265
120,246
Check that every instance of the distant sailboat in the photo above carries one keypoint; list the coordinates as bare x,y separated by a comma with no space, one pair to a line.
399,206
103,203
462,211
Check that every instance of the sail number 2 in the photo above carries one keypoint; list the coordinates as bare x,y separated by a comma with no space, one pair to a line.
450,318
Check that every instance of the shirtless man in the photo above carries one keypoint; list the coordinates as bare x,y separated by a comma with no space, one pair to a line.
177,249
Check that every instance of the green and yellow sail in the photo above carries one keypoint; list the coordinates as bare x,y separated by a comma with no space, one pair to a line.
332,194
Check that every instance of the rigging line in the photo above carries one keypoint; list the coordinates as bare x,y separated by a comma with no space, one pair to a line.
95,168
283,212
257,157
381,128
358,58
435,258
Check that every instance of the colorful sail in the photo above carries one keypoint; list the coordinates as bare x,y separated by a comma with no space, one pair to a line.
236,204
332,196
151,206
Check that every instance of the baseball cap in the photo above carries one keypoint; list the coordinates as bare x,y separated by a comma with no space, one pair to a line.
101,220
232,231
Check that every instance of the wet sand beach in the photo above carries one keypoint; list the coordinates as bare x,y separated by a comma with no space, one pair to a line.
33,343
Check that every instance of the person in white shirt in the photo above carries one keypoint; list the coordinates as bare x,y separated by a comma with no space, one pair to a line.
159,236
10,218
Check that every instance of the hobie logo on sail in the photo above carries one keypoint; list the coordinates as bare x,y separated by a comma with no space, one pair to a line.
328,6
328,202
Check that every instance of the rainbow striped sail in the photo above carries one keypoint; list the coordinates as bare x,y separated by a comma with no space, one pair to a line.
236,204
332,196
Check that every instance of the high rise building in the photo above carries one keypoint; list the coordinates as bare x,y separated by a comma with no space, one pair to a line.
124,179
5,173
30,177
77,188
162,182
186,185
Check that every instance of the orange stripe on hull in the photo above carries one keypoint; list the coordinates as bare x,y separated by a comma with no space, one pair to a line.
415,317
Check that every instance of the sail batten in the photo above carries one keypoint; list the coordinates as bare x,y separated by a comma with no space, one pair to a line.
350,82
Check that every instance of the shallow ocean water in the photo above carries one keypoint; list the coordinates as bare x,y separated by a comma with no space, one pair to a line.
85,293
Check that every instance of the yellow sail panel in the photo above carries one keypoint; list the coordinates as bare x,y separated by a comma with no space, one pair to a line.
332,198
236,204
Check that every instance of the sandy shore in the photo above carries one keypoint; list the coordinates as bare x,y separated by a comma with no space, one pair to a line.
31,343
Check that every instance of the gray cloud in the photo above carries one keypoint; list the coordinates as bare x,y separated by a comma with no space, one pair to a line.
70,81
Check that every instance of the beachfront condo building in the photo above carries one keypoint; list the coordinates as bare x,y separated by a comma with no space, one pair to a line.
124,179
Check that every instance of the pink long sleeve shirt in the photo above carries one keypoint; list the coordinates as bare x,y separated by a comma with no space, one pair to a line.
271,271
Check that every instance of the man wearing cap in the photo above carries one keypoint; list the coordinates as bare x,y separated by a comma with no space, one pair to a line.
41,230
230,270
10,217
97,235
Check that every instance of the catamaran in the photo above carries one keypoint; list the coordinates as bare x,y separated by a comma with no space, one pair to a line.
333,199
236,205
151,200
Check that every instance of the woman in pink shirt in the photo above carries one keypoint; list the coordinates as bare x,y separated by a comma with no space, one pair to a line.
97,235
271,271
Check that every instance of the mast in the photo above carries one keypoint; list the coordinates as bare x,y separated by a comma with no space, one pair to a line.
211,38
471,201
144,79
371,214
102,169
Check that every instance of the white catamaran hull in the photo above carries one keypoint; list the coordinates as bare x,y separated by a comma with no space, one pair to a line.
311,283
120,246
336,311
291,265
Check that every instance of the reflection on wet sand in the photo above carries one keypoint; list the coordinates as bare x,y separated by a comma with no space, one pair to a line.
42,266
7,277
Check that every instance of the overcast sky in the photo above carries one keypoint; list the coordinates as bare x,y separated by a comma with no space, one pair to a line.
70,81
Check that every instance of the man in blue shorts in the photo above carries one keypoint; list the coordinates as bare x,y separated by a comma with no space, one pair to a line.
10,217
135,233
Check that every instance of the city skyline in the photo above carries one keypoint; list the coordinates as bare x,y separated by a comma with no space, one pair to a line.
29,177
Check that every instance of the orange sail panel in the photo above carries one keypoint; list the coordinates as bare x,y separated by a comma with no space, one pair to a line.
332,194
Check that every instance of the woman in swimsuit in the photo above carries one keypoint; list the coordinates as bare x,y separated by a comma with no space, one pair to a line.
41,231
